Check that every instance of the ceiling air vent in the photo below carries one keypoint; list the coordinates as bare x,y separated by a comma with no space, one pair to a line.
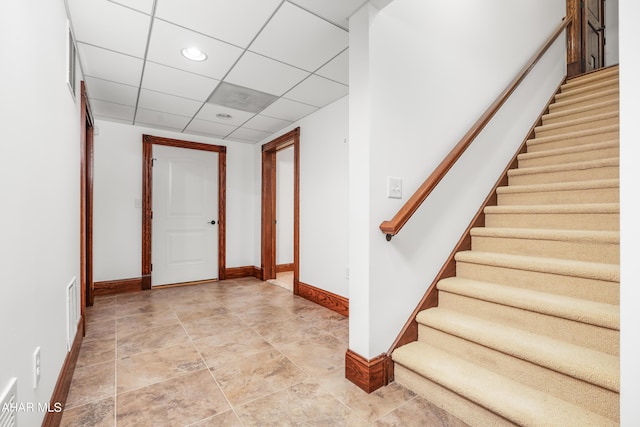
241,98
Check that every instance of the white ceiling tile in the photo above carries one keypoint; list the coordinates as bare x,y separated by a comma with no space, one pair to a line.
249,135
110,119
337,12
113,92
177,82
108,65
161,119
209,111
317,91
112,110
267,124
236,22
218,130
274,77
168,40
299,38
288,110
145,6
94,22
337,69
157,101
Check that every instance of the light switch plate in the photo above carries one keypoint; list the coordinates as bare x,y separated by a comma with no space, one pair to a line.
394,187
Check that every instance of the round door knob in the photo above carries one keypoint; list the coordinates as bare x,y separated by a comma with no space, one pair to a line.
213,222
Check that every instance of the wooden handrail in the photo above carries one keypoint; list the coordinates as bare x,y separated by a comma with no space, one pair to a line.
393,226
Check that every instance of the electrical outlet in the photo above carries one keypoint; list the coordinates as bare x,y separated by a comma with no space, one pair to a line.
36,367
394,187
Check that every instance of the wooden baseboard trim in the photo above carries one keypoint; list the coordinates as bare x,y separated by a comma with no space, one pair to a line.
61,390
327,299
281,268
369,375
240,272
111,287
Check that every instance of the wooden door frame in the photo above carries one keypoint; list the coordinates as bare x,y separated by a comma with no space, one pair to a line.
86,201
576,37
268,234
147,150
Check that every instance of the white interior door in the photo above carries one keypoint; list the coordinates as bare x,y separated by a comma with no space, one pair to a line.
184,242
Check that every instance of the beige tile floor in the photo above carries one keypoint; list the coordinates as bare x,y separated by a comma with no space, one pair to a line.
229,353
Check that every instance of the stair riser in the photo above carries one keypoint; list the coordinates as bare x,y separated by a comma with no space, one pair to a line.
582,334
589,396
465,410
605,172
587,90
557,129
570,221
577,102
571,286
581,82
562,159
552,119
578,251
572,141
594,195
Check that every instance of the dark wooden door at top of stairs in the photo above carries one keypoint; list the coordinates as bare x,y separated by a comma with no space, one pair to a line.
527,331
594,24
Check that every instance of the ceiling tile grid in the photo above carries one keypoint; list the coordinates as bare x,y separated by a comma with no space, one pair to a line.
268,62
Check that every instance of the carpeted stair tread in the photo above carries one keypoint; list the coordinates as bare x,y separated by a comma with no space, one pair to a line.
574,134
583,269
579,310
570,150
584,99
604,74
588,164
586,208
517,403
590,236
560,186
593,87
588,365
591,120
585,110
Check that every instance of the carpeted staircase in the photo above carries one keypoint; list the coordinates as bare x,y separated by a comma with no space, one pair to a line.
527,332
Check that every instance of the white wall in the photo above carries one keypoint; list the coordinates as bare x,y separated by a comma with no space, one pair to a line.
611,33
40,193
284,206
630,212
433,71
118,183
324,184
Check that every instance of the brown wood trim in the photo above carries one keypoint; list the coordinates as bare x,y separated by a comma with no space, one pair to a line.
574,38
147,154
268,205
327,299
181,284
393,226
409,332
111,287
369,375
281,268
61,390
241,272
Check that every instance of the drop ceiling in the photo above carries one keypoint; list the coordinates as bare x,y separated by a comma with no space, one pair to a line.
294,52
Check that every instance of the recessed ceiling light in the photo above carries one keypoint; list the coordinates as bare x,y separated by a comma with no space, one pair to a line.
223,116
194,54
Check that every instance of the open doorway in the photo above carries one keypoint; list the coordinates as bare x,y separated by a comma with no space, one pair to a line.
280,155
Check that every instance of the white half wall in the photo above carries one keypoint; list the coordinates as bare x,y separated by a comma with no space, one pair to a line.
284,206
117,223
40,193
434,69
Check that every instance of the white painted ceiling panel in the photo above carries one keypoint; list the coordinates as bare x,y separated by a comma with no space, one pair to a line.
112,110
248,135
168,103
177,82
236,22
108,65
111,119
145,6
274,77
168,40
209,111
317,91
267,124
203,127
113,92
337,11
337,69
95,20
161,119
300,38
287,109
